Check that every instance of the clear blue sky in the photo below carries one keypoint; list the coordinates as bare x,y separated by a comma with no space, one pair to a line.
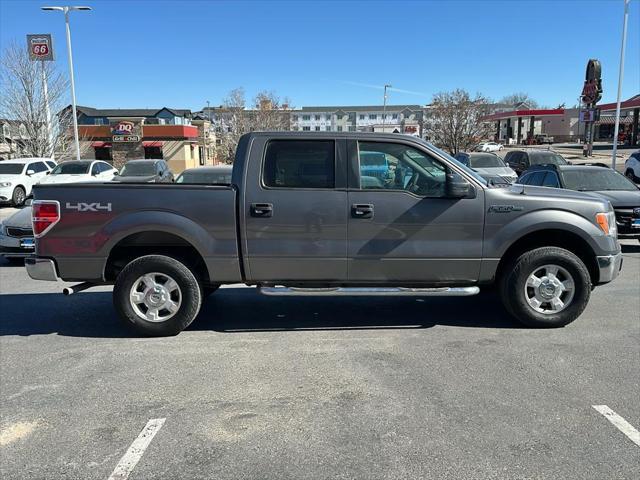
182,53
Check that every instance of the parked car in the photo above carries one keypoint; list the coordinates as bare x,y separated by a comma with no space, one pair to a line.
632,167
489,165
599,181
297,221
145,171
74,171
542,139
218,174
521,160
489,147
16,235
18,176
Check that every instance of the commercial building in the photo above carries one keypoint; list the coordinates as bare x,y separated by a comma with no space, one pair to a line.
407,119
519,126
629,119
119,135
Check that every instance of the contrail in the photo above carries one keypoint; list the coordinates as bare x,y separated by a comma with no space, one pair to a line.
393,89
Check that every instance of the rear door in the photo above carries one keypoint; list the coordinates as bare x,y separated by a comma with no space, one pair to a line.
295,209
402,228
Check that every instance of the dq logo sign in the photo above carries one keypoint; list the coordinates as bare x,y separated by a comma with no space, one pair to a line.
592,88
122,128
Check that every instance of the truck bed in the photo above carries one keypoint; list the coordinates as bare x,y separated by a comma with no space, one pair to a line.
96,219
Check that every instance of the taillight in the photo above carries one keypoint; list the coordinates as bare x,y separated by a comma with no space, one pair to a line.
45,214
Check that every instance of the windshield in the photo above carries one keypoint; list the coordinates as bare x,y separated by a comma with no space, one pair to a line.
71,168
546,158
11,168
485,160
597,179
204,177
138,169
459,164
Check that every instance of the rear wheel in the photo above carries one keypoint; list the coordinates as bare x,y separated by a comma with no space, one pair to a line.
157,295
19,196
546,287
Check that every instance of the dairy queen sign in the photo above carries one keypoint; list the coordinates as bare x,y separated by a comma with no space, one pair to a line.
123,132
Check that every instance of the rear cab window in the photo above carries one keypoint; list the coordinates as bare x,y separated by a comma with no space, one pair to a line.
299,164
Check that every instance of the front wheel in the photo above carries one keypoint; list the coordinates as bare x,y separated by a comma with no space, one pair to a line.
546,287
19,196
157,295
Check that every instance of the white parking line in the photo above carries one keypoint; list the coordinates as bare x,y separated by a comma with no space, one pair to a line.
131,458
620,423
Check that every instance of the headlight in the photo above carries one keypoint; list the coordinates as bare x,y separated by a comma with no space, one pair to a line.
5,184
607,223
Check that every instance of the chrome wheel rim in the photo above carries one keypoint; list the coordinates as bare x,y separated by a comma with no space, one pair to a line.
20,197
549,289
155,297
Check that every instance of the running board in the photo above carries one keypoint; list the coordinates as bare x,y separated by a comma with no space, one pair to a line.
374,291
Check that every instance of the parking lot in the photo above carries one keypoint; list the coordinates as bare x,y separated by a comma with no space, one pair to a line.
262,387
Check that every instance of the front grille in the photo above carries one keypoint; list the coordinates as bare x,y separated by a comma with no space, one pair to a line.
19,232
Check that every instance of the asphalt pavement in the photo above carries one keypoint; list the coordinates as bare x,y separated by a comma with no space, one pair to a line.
265,387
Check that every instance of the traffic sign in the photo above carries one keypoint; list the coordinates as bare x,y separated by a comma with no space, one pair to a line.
40,46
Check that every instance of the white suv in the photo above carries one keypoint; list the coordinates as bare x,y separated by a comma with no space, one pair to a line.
632,167
19,175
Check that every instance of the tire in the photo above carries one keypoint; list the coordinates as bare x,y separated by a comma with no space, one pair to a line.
19,196
148,315
520,298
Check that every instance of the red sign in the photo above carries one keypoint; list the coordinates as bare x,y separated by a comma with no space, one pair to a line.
40,46
122,128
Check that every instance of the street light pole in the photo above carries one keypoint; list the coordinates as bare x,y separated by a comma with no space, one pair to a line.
66,11
384,106
620,78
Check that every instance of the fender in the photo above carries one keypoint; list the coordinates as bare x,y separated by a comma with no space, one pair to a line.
498,238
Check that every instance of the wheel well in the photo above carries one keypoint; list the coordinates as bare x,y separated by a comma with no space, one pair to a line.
552,238
154,243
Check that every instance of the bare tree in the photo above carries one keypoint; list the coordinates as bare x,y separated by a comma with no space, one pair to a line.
519,97
453,120
270,113
231,124
22,100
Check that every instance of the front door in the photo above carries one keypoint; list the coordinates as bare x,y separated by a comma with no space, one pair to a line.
402,228
295,210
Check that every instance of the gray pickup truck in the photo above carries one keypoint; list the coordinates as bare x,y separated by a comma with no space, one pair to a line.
306,215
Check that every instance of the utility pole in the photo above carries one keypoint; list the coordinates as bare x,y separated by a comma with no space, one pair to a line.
384,106
47,110
66,11
620,78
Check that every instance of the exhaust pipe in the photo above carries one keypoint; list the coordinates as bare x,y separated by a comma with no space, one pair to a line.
77,288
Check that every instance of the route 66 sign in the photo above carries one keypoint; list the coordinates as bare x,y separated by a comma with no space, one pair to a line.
40,46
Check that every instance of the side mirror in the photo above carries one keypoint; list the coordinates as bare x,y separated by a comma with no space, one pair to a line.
48,172
457,186
31,172
116,173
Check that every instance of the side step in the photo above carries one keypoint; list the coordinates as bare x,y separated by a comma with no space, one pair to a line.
374,291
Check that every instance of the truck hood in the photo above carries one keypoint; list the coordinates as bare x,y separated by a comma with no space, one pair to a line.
555,193
136,179
619,198
20,219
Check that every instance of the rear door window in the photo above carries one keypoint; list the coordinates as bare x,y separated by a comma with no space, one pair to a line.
299,164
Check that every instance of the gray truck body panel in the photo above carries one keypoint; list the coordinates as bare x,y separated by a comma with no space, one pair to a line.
312,238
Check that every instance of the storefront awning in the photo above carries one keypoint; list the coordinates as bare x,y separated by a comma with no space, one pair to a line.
156,143
611,119
100,144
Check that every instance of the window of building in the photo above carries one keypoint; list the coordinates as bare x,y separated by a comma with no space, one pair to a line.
394,116
328,128
317,129
23,130
306,117
394,166
299,164
339,129
373,116
317,117
295,118
306,129
328,116
352,128
361,117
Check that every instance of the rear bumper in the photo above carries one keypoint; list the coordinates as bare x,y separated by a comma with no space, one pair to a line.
41,269
609,267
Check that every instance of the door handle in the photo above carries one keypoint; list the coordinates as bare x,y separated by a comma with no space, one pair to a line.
362,210
261,209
